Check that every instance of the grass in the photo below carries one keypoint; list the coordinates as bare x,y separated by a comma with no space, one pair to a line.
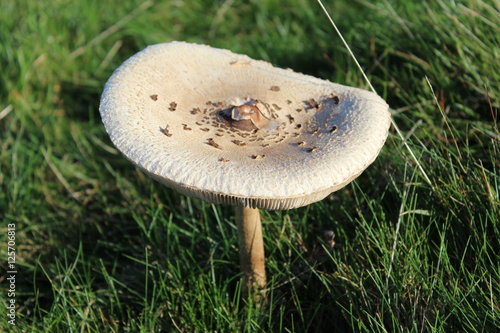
102,248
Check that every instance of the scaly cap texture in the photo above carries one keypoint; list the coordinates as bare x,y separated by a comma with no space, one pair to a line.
225,128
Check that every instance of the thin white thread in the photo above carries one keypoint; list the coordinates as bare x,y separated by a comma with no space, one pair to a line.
373,89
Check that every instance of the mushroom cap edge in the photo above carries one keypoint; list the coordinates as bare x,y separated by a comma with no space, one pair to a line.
118,111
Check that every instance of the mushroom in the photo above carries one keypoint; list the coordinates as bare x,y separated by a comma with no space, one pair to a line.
261,137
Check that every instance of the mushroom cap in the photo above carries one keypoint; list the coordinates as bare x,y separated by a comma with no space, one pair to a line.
170,109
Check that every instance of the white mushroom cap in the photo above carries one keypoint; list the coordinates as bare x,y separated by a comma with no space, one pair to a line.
224,128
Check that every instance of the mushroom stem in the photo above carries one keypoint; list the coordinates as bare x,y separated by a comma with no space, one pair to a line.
251,246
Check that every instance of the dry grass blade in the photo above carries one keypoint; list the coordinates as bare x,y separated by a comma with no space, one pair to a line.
398,131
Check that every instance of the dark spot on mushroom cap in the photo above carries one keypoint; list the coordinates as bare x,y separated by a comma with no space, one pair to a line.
258,157
313,104
311,149
165,131
212,143
173,106
336,99
154,97
333,129
195,111
185,127
275,88
222,159
239,143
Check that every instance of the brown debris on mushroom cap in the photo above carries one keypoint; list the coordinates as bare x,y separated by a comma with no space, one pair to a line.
344,127
239,143
166,131
214,144
173,106
313,104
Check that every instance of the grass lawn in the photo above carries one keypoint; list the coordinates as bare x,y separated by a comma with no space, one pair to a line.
100,247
